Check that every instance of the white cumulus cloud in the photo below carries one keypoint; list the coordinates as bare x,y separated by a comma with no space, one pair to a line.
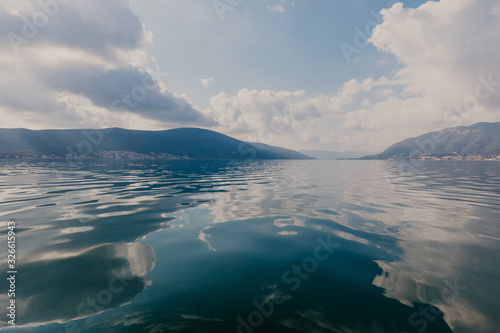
205,83
449,71
276,8
82,63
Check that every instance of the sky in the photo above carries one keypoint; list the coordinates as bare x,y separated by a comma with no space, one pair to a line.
337,75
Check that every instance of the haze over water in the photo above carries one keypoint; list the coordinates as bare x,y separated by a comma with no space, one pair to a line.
254,246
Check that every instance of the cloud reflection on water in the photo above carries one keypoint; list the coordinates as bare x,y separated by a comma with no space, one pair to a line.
400,239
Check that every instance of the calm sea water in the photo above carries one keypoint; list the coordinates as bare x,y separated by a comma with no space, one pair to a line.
262,246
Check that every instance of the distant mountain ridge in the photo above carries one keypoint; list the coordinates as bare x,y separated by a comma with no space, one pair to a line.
122,143
334,155
481,140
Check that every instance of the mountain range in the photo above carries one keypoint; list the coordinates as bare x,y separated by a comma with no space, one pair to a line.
334,155
192,143
478,141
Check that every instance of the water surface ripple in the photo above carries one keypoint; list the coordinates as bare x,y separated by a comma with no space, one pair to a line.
253,246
